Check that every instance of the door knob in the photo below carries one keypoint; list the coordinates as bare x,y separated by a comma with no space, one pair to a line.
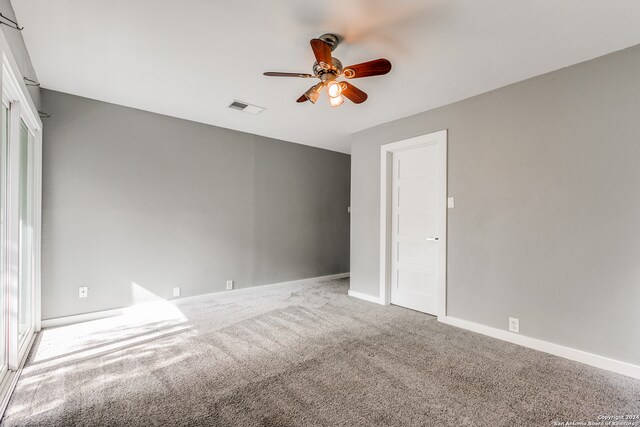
432,239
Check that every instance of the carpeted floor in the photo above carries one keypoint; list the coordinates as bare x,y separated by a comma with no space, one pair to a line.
303,356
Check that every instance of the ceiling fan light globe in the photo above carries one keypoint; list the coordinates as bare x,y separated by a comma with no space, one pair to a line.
336,101
314,93
312,97
334,89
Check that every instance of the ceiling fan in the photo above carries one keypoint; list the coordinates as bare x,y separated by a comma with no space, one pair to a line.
329,69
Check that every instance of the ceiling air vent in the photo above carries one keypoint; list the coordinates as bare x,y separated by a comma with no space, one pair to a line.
246,107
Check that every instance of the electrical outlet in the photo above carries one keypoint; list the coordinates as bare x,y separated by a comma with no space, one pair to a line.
83,292
514,325
451,202
229,285
176,291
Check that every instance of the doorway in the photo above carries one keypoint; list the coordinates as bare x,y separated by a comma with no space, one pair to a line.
413,223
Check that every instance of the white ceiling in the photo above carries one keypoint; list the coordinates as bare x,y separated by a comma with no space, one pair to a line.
189,58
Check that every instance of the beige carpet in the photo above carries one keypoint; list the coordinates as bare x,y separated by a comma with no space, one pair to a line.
305,356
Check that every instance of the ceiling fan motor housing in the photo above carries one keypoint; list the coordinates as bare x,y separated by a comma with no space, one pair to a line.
326,71
332,40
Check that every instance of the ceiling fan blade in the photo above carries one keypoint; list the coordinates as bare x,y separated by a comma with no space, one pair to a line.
376,67
322,51
278,74
353,93
302,99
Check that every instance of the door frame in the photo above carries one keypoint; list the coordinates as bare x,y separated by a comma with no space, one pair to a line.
386,157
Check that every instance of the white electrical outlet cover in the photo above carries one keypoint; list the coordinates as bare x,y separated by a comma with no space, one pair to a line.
176,291
451,202
514,324
229,285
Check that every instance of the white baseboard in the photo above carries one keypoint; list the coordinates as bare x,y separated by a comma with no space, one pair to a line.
253,289
78,318
547,347
85,317
365,297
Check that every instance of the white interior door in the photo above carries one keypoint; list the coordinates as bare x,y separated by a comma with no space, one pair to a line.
414,224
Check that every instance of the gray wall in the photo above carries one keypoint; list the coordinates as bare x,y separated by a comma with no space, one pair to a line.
19,50
135,203
546,228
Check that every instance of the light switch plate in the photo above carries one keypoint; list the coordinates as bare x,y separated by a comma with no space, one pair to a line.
450,202
176,291
229,285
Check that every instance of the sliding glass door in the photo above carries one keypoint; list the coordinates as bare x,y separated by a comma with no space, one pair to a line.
20,189
4,139
25,277
20,219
